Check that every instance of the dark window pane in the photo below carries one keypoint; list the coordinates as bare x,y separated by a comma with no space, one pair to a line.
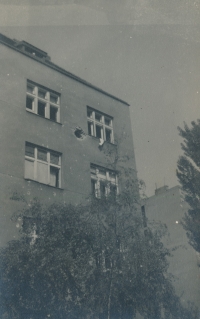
98,117
30,88
113,190
92,169
102,189
42,155
112,174
90,128
42,94
41,109
89,113
102,171
93,186
98,131
28,50
54,176
29,150
54,158
29,103
39,55
107,121
54,98
108,135
53,113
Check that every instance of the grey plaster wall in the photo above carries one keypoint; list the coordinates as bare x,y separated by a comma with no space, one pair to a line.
18,126
168,208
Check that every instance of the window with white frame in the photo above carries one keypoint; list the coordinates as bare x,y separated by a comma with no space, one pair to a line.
42,165
104,182
100,125
43,102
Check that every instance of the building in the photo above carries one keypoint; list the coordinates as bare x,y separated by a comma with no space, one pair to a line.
167,207
56,133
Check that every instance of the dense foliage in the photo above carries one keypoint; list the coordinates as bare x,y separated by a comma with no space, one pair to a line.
87,261
188,173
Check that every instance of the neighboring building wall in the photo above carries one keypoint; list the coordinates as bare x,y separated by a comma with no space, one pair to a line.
18,126
167,207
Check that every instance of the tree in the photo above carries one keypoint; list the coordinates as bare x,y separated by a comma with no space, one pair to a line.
93,260
87,261
41,275
188,173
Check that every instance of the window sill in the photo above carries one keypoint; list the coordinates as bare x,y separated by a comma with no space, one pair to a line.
97,138
32,180
43,117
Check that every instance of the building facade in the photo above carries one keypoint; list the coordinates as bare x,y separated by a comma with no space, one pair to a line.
59,134
167,207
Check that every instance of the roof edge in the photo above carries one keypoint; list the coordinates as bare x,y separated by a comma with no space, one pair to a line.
11,44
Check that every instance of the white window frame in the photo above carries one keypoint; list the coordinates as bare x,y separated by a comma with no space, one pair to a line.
34,95
106,178
102,123
35,162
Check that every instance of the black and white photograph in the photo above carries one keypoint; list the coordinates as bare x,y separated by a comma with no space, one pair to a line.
100,159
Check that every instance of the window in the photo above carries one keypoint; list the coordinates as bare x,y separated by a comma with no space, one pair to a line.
43,102
100,125
42,165
103,181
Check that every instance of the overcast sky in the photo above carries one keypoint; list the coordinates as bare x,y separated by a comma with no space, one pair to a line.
146,52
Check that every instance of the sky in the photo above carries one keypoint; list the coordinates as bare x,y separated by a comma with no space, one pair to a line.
146,52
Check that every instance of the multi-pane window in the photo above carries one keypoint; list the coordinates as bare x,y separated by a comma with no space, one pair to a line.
104,182
43,102
42,165
100,125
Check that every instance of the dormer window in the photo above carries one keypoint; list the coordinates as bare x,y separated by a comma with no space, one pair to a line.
34,52
31,49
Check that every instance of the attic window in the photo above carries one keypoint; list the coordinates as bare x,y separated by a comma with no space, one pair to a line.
33,52
30,49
